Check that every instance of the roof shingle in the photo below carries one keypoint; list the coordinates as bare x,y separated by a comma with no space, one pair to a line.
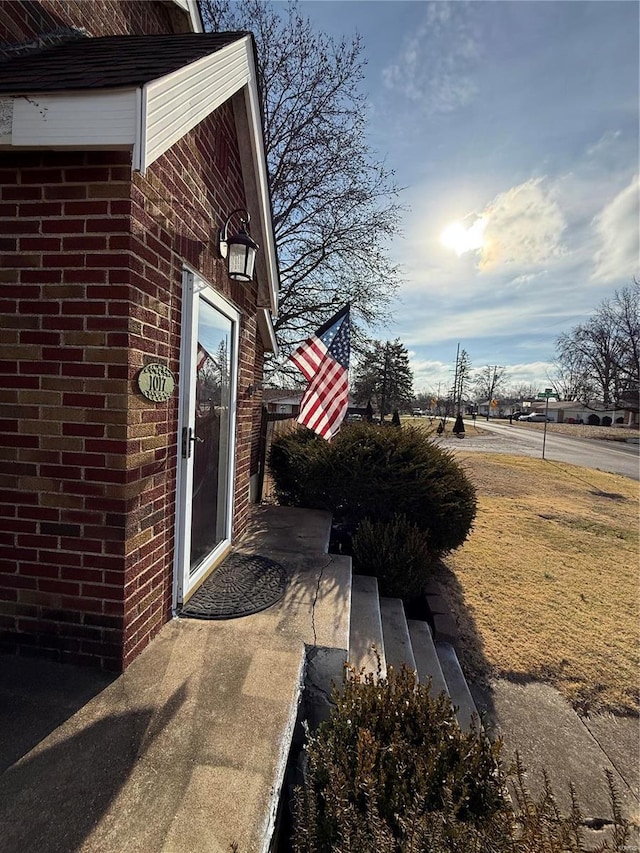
108,62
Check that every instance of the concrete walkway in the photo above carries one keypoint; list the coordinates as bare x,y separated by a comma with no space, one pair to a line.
186,751
537,722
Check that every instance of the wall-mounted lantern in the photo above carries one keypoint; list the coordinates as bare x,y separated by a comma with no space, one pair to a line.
239,250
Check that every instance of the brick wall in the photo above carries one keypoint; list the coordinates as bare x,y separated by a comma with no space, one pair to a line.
91,276
24,20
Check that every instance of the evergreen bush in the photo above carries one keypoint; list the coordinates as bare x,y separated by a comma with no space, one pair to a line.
396,552
391,772
373,473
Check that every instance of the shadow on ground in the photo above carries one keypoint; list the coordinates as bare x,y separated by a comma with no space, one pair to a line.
56,783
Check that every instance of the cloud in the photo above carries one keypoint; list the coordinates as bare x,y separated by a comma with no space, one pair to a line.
435,69
523,227
604,144
616,227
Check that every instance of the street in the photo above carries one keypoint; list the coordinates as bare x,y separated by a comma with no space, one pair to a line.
617,457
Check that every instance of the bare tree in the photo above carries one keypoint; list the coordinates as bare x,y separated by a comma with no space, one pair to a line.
489,382
598,361
523,391
569,376
623,312
333,200
462,379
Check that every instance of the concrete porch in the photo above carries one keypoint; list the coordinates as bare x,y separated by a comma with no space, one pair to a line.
186,751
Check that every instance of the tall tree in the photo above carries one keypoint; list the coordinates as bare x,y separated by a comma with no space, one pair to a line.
334,202
461,380
383,375
603,354
489,382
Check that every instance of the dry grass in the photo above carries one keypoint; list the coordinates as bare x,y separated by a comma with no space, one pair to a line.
546,587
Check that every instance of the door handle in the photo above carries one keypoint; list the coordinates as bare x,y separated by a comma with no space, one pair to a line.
188,437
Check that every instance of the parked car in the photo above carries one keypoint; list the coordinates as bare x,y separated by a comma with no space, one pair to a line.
417,413
536,417
517,415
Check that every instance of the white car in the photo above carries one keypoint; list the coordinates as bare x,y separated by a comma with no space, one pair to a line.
535,417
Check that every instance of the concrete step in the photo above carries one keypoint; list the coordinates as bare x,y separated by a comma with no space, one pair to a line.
424,651
397,643
366,643
457,684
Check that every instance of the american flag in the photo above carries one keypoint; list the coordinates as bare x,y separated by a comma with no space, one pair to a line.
324,361
202,357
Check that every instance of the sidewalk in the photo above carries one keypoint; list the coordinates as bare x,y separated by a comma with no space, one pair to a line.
537,722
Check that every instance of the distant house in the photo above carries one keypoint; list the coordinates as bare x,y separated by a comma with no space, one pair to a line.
132,355
571,411
282,402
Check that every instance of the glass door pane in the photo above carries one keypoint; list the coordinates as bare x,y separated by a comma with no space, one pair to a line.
210,496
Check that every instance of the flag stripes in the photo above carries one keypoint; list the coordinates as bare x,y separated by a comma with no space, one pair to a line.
309,357
323,359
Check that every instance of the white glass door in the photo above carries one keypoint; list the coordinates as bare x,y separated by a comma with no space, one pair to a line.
207,428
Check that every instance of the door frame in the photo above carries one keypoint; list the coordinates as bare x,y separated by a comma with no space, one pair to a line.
193,286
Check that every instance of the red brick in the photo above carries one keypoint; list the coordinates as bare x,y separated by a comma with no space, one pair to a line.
63,353
39,209
40,276
89,430
63,191
86,208
85,308
83,369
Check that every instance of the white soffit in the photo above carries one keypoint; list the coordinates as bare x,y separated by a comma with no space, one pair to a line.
267,332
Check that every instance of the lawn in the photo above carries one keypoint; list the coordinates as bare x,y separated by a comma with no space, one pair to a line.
546,586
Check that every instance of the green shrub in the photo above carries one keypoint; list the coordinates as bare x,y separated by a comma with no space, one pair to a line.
374,473
295,459
391,772
396,552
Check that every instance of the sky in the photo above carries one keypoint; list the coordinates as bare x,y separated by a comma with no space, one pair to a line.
513,128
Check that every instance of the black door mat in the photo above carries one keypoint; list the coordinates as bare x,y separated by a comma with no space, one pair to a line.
242,585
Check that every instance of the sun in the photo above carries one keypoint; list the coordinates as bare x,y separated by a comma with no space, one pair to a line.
462,239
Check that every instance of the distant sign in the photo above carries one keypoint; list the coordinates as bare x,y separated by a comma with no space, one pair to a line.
548,392
156,382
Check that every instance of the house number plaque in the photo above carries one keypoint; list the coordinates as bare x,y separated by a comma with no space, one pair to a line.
156,382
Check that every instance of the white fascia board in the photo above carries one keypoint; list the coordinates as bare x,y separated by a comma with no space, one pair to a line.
260,168
191,8
267,332
74,119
